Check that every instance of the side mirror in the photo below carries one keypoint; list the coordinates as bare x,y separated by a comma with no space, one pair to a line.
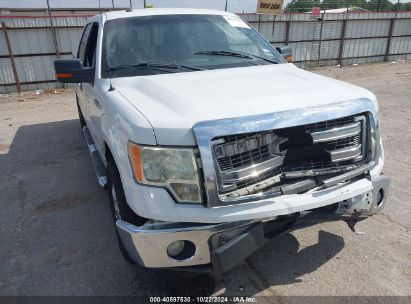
286,52
72,71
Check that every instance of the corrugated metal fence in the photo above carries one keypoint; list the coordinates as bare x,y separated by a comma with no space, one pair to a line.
33,49
326,40
345,38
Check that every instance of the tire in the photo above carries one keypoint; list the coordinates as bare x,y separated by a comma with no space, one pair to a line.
119,207
80,115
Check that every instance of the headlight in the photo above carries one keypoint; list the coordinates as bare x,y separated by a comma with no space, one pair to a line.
172,168
376,143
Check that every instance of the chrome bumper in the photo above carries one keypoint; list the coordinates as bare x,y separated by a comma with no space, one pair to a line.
147,245
225,245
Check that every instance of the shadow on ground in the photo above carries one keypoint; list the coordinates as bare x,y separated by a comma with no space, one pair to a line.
58,236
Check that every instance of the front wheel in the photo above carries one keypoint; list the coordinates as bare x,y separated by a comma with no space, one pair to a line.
119,207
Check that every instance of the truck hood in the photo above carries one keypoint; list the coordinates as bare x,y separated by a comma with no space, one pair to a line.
174,102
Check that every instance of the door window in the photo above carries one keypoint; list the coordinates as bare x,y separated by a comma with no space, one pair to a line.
83,42
91,47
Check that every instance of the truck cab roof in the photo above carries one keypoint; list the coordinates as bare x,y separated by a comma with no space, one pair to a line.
161,11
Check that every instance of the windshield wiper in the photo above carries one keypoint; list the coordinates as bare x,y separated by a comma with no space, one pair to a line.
223,53
234,54
263,58
153,65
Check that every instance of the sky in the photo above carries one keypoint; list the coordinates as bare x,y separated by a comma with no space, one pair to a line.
236,6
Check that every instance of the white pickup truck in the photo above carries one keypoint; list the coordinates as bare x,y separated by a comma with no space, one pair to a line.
210,143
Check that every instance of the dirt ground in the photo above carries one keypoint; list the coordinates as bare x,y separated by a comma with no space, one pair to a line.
57,237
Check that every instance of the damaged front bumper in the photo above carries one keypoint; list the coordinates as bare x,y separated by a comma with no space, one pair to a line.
222,246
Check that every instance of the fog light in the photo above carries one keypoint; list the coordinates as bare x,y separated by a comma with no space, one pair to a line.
175,248
181,250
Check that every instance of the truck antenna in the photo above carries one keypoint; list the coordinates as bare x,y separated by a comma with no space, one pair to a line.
111,88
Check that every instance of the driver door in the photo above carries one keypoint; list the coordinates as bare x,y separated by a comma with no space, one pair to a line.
88,91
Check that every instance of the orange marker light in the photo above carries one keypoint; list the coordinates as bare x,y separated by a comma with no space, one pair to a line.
64,75
135,160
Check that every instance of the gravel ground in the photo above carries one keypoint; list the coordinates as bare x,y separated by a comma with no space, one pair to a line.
57,237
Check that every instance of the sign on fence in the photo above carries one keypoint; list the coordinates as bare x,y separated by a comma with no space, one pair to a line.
316,11
269,6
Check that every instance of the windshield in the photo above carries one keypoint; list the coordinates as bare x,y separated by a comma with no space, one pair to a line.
181,43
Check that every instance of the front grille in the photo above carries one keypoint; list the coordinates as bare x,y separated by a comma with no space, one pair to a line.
322,125
344,143
324,148
244,159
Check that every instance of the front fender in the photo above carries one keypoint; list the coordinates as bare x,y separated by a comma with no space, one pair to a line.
120,124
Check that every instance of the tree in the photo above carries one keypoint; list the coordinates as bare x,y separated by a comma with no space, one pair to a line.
371,5
330,4
380,5
301,5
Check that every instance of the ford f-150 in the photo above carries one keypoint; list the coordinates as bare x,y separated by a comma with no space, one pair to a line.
210,142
